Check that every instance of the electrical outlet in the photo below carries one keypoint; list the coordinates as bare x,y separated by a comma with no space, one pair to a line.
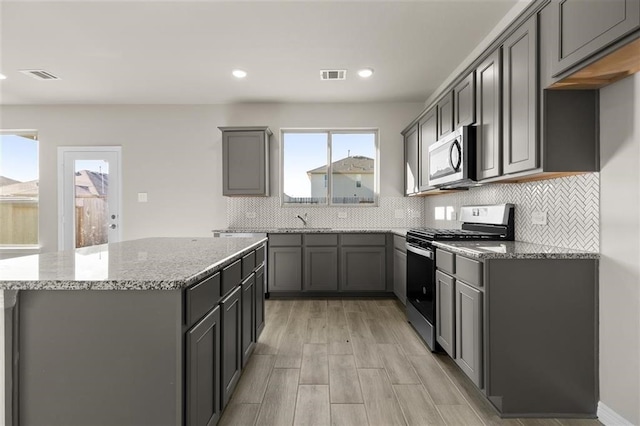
342,215
439,213
539,218
142,197
451,213
250,215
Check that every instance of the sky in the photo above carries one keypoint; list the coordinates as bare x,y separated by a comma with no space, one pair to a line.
306,151
18,158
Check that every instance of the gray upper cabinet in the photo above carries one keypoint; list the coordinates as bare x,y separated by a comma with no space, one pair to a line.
582,28
464,102
412,173
321,268
489,117
245,161
445,115
469,344
520,84
428,128
445,312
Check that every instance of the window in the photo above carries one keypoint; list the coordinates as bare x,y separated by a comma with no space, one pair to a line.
18,189
329,167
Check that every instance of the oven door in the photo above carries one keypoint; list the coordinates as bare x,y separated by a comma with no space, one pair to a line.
421,281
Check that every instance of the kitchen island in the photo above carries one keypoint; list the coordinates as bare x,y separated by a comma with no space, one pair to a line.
119,333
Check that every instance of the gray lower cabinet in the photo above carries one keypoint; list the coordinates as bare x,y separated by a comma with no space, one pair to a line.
231,343
321,269
412,171
248,318
468,326
400,275
245,161
582,28
285,269
445,115
489,117
363,268
445,313
203,384
428,128
464,102
260,287
520,95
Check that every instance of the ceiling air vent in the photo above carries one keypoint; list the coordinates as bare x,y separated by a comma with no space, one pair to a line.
40,74
333,74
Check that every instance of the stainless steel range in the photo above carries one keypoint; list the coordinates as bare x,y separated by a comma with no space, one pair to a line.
494,222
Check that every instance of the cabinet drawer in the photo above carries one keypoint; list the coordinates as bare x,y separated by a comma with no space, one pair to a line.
260,255
321,239
400,243
231,277
285,240
446,261
469,271
363,239
248,264
202,297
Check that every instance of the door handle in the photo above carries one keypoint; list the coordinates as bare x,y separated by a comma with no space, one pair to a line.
112,226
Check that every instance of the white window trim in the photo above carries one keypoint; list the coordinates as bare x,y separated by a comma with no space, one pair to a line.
330,131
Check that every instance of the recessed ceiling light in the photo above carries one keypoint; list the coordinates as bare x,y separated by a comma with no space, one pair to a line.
3,77
365,72
239,73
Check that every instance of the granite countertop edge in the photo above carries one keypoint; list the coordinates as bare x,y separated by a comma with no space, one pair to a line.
396,231
518,250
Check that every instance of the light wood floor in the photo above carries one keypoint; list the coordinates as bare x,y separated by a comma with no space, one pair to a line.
354,362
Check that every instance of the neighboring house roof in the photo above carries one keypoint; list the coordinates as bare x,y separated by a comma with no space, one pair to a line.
20,189
91,184
357,164
7,181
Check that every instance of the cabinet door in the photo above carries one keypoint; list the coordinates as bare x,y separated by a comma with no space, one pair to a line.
445,115
445,310
468,314
428,136
248,318
489,117
285,269
231,349
321,269
582,28
400,275
520,99
244,163
412,173
203,371
260,286
363,269
464,102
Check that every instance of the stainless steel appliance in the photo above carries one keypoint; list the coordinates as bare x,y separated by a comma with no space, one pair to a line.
452,159
495,222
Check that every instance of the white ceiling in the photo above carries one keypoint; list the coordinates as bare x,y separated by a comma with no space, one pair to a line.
181,52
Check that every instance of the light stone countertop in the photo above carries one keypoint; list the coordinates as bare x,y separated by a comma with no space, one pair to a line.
145,264
512,250
397,231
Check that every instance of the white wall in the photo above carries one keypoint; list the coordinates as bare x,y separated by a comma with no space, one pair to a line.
173,153
620,248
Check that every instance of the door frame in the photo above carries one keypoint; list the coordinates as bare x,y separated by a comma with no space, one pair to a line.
117,149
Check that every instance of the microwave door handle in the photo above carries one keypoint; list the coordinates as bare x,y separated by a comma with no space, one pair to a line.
455,146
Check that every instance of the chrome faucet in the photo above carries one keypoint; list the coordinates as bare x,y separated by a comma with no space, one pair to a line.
303,219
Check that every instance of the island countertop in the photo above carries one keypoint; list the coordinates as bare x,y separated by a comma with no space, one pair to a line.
145,264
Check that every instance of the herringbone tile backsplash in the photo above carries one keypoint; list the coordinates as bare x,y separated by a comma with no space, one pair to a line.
572,205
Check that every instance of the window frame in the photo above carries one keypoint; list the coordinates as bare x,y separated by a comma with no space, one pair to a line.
21,248
330,131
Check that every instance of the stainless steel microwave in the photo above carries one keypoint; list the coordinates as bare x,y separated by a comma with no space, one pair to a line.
452,159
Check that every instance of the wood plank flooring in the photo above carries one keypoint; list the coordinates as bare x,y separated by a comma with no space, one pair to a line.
355,362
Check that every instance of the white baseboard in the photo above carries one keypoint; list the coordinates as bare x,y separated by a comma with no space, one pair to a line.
608,417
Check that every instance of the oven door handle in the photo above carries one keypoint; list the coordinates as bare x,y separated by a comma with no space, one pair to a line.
420,251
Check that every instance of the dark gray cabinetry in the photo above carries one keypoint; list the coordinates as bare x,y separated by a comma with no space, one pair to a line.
412,171
400,268
203,371
428,128
520,74
231,343
202,297
445,312
363,268
260,287
445,115
321,268
248,318
464,102
489,117
582,28
468,325
285,262
245,161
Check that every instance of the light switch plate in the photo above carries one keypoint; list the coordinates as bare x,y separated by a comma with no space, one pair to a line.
142,197
539,218
342,215
439,213
451,213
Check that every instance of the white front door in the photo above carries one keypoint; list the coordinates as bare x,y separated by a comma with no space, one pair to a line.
89,196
